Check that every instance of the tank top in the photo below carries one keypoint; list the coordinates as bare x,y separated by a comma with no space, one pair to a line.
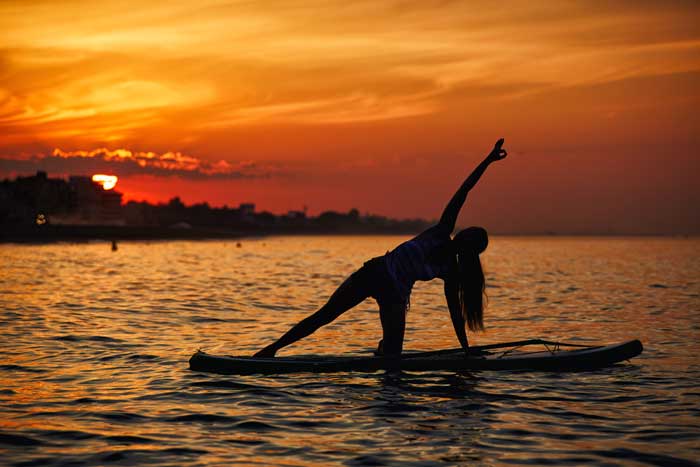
408,262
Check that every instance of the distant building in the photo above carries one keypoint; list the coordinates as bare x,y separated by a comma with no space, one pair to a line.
295,218
33,199
247,209
92,204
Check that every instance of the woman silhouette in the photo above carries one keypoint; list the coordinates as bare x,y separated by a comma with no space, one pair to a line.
390,278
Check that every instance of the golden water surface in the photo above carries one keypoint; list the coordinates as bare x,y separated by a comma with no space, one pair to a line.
96,343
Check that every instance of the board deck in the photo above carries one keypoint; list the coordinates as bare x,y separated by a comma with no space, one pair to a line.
553,356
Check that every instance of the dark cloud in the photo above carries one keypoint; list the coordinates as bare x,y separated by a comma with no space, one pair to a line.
123,162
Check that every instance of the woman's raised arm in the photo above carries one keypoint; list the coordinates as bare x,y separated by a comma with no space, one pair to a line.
449,215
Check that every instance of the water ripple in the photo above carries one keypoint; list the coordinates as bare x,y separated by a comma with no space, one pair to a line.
96,345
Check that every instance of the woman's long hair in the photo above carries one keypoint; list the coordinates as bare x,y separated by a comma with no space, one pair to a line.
471,284
471,289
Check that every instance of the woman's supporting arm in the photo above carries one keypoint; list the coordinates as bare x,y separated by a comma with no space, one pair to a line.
452,296
449,215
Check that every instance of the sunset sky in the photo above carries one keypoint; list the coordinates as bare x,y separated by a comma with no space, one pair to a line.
383,106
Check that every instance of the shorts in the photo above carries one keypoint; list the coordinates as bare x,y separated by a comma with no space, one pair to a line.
379,285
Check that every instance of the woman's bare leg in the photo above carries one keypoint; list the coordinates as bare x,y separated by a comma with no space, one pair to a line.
393,317
350,293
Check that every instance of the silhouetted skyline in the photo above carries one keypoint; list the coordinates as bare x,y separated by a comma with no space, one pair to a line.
39,207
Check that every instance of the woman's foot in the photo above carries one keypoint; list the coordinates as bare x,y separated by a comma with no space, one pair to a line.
380,349
267,352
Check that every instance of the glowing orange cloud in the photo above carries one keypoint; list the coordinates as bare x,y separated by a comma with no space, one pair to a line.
107,181
165,161
126,163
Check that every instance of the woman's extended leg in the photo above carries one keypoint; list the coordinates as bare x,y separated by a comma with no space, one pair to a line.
350,293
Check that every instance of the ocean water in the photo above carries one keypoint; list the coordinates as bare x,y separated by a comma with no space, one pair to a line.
95,347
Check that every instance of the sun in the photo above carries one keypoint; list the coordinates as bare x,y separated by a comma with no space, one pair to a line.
107,181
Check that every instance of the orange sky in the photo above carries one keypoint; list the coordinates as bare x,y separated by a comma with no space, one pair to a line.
383,106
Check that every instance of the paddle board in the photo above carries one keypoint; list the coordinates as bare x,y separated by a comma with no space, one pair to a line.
550,356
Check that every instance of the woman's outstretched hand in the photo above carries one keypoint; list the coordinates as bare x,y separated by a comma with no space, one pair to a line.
498,153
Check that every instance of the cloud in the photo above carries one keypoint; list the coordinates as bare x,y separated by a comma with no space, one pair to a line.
90,74
124,162
352,108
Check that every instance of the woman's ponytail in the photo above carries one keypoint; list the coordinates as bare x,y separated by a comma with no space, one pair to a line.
472,286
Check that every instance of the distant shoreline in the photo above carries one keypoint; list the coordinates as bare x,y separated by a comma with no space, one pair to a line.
83,233
78,233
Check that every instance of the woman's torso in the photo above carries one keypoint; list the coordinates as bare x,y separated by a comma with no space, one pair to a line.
410,261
